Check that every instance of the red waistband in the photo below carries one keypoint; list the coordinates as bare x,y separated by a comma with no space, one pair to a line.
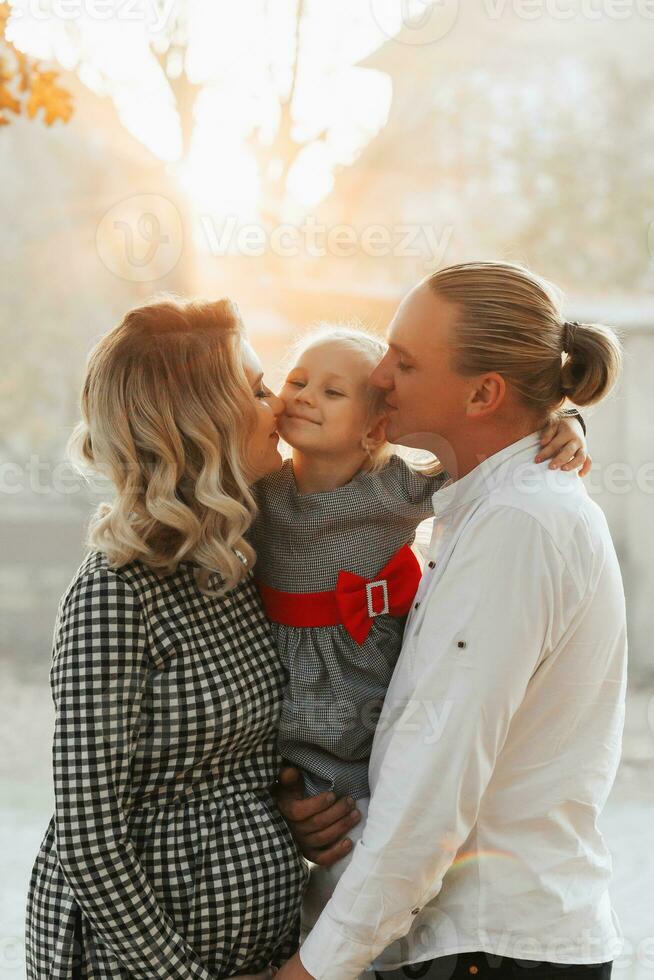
355,601
300,608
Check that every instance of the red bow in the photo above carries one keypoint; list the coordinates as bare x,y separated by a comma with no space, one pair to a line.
361,600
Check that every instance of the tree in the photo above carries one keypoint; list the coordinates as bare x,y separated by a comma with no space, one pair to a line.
84,172
25,87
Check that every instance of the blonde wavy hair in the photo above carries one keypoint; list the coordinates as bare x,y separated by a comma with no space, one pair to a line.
510,321
166,414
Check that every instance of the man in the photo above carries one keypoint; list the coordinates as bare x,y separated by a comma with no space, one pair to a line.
501,730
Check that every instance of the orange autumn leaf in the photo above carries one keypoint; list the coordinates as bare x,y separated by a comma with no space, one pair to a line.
7,100
23,71
24,87
55,101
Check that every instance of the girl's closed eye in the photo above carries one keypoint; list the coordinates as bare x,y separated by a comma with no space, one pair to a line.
331,391
263,392
403,367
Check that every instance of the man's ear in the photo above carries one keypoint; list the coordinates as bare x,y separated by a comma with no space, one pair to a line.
487,395
376,434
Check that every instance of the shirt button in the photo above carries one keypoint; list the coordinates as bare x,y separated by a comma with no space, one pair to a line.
416,605
415,911
432,564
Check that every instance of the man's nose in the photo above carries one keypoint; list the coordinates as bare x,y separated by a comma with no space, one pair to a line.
382,376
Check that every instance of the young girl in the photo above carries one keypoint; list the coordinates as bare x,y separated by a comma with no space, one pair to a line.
335,569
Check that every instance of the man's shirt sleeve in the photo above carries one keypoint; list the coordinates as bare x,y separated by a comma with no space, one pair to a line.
496,612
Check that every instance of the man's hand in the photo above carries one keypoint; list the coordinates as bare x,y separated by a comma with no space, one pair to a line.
293,970
317,823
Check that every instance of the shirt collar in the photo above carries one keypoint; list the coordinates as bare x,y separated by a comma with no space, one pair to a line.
485,477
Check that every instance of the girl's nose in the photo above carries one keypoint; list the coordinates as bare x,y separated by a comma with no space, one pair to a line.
304,395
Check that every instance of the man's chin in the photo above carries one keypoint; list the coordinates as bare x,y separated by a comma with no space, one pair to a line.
393,431
398,435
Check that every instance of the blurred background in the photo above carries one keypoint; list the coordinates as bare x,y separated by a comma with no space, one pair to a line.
311,159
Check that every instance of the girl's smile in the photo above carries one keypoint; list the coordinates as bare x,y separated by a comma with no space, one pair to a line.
326,390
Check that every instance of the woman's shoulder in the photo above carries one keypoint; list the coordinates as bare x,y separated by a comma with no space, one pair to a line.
97,602
95,580
96,565
136,585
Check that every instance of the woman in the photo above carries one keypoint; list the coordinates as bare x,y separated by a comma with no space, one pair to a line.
166,855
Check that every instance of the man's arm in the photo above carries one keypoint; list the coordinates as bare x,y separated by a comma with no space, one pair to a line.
494,614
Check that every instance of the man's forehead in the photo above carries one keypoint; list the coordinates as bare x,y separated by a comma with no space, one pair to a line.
419,323
405,327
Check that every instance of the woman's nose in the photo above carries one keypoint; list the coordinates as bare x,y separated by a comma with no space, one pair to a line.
278,405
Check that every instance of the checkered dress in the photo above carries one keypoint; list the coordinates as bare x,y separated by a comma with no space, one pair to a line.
335,687
166,855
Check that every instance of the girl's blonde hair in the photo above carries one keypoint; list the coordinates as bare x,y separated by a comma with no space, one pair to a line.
166,415
371,348
509,321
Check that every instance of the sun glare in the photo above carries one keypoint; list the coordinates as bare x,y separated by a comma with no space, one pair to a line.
241,60
221,180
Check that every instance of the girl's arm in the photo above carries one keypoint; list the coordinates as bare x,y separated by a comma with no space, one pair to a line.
563,442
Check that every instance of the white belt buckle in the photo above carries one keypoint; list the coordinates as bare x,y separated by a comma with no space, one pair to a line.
369,587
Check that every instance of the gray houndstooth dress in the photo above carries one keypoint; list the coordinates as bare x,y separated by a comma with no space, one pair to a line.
166,855
335,687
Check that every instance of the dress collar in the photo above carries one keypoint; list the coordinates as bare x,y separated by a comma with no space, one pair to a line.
486,476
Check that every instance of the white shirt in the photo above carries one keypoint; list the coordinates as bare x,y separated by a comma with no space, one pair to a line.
499,739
